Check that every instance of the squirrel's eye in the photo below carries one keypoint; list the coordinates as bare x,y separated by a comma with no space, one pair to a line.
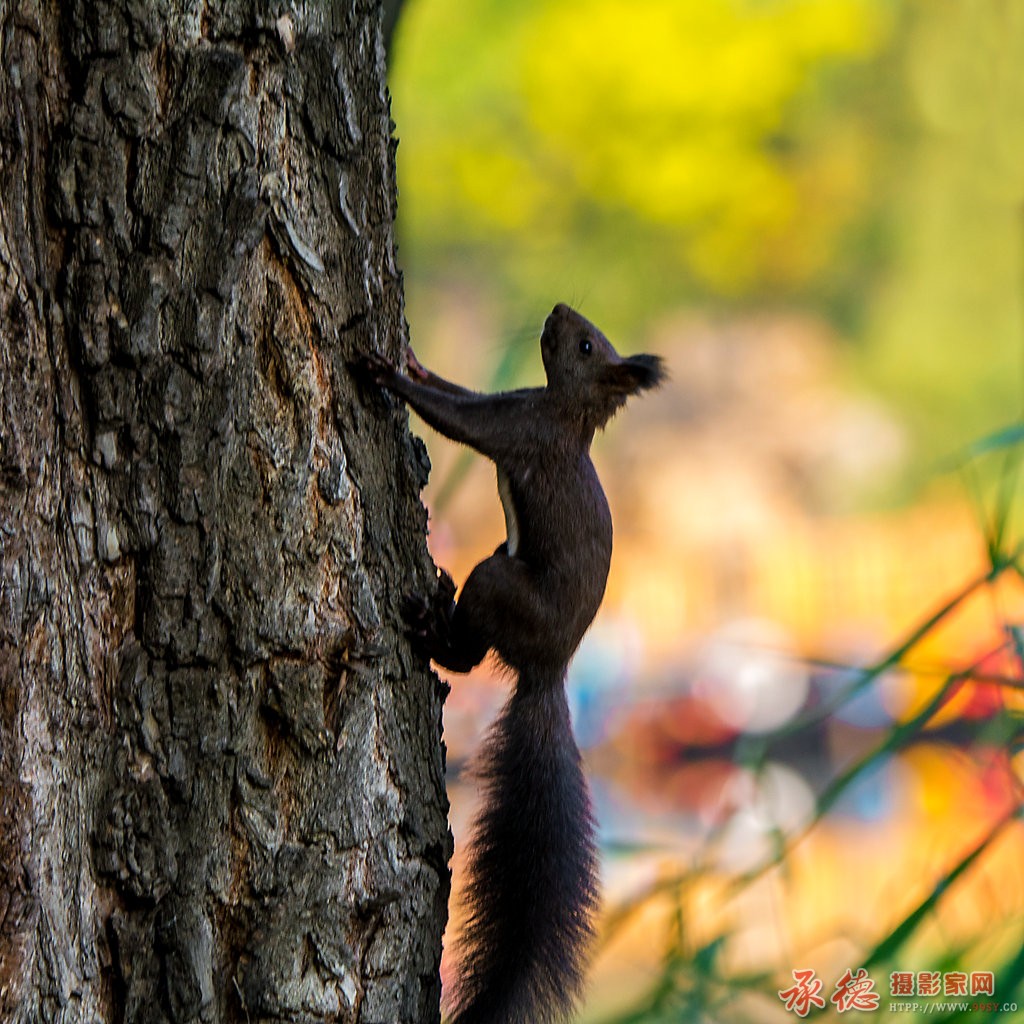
585,347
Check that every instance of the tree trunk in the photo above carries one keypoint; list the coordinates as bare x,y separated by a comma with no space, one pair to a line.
221,781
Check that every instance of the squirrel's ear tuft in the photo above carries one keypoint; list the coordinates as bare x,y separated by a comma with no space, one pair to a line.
637,373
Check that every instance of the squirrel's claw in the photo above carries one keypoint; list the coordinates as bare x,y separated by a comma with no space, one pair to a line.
414,367
428,622
416,615
420,628
377,367
445,587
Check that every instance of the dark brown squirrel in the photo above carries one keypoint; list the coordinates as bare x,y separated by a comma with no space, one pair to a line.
533,886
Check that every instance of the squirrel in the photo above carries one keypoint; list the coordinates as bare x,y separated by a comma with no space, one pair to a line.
532,887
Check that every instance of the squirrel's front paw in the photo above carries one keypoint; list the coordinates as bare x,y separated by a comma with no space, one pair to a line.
414,367
377,367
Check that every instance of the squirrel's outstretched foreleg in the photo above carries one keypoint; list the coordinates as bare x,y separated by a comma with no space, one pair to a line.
461,415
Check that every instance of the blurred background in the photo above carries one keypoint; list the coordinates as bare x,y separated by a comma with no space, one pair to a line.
801,702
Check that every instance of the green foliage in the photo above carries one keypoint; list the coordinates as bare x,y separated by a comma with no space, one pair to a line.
706,146
945,336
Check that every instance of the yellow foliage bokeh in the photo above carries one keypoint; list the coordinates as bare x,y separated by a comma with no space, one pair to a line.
677,115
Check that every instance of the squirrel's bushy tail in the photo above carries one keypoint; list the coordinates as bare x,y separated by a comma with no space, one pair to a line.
532,888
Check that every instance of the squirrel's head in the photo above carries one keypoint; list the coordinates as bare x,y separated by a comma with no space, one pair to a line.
586,372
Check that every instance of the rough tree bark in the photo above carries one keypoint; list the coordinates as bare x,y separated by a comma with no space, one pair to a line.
221,786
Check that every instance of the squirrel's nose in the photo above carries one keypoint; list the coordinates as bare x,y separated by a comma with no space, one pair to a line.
560,310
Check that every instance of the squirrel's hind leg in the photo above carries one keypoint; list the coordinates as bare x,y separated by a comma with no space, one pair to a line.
502,605
430,627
